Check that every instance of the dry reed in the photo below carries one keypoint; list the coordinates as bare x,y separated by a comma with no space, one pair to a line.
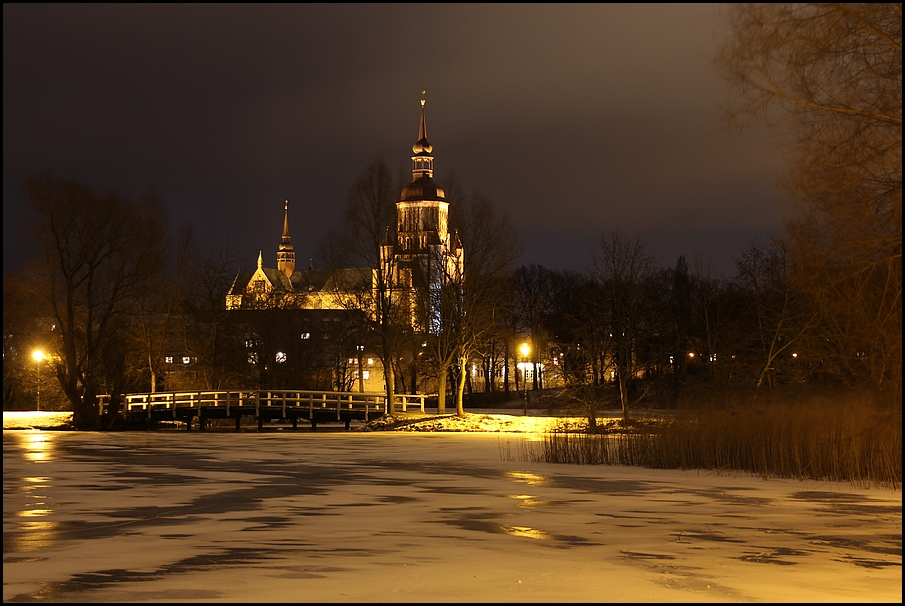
830,440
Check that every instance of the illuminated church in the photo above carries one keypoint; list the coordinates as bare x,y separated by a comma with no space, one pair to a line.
416,261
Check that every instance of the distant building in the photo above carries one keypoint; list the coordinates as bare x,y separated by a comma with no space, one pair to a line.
423,255
415,262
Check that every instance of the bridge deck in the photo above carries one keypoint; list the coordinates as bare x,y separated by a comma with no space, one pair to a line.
292,405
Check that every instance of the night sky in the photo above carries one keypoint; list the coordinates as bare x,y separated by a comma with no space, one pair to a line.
576,120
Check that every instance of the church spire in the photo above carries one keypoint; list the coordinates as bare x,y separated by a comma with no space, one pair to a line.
422,128
286,223
422,161
286,252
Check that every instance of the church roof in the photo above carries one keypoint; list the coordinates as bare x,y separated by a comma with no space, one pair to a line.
349,279
422,188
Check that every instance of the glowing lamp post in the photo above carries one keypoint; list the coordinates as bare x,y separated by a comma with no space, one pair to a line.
525,350
38,356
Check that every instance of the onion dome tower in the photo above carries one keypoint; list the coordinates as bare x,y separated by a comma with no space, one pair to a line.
422,212
286,252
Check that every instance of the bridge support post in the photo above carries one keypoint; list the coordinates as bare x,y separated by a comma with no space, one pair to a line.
295,422
348,424
188,423
260,422
201,421
238,421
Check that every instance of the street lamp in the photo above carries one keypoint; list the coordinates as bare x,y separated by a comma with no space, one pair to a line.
525,350
38,356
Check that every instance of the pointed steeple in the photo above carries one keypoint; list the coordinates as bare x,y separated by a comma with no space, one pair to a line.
286,223
422,127
286,252
422,161
260,259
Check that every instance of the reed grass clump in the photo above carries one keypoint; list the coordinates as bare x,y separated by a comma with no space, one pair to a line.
836,440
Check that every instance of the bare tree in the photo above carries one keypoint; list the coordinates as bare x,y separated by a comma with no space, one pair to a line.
624,267
533,303
777,315
99,254
370,219
491,247
833,72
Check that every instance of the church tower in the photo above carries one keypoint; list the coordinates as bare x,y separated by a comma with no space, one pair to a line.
422,212
425,253
286,252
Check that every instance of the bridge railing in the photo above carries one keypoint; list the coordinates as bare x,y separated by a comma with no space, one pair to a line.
371,402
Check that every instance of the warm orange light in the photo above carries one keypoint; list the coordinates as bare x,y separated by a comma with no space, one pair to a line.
38,355
690,354
525,349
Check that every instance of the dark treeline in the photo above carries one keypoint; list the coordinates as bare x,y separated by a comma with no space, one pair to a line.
117,313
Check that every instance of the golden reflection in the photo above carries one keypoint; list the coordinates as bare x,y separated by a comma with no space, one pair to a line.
33,513
531,479
525,531
38,445
31,484
527,501
33,537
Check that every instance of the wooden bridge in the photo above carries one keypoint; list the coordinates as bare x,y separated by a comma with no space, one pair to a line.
265,405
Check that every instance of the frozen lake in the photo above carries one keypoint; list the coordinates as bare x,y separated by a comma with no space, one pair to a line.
222,516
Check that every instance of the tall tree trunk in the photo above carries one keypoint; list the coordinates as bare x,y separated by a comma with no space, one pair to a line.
153,374
390,385
506,369
441,392
623,394
460,388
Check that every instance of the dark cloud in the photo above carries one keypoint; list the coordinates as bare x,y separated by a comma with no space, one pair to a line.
576,120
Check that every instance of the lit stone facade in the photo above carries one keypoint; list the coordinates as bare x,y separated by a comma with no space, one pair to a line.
423,257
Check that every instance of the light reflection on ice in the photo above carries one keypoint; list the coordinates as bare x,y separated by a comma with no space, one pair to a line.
525,531
527,501
32,513
34,536
528,478
38,445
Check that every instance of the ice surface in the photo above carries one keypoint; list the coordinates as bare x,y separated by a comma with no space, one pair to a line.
391,516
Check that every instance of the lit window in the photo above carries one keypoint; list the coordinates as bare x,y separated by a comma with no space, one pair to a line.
366,374
280,357
360,347
353,360
370,361
186,359
169,359
306,335
253,358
